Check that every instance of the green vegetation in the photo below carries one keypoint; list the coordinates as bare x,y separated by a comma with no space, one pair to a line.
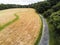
40,33
8,6
53,9
5,25
54,28
50,9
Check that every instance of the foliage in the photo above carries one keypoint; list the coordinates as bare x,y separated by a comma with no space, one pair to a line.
40,6
7,6
53,2
50,9
46,14
56,7
55,17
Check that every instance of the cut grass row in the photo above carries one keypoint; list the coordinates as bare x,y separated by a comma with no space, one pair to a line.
5,25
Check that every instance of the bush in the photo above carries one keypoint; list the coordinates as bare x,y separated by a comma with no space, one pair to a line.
46,14
56,7
54,20
55,17
41,6
53,2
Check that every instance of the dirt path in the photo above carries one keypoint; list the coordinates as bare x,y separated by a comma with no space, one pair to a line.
45,33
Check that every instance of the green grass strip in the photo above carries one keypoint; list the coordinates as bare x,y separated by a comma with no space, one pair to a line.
51,34
5,25
40,33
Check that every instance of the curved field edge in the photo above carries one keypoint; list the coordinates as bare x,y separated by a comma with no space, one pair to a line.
40,32
5,25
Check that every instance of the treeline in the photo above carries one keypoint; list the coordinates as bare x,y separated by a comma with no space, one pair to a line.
54,8
50,9
8,6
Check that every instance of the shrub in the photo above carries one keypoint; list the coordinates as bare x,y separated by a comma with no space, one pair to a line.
53,2
41,6
56,21
56,7
46,14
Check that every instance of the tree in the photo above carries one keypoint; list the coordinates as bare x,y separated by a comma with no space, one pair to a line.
42,6
53,2
55,17
56,7
46,14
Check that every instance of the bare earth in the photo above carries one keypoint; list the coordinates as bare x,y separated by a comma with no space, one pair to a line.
23,31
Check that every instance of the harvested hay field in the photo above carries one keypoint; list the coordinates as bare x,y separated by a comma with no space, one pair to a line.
20,26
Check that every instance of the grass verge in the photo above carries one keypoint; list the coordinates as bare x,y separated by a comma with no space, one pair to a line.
51,34
5,25
40,33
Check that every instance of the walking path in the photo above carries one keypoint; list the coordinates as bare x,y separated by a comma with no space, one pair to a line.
45,33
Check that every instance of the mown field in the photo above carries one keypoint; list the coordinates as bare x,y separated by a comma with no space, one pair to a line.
19,26
50,9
